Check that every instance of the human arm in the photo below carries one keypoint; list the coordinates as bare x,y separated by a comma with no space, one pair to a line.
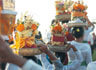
10,57
57,63
89,22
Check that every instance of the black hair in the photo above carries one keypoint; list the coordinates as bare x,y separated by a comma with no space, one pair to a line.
78,32
53,21
65,21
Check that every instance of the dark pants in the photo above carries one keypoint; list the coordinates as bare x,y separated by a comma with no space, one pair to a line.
92,49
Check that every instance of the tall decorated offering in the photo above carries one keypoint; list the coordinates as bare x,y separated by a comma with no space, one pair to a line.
58,34
78,12
63,9
25,35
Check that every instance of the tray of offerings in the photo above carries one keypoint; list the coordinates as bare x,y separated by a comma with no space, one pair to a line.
77,24
29,51
58,48
63,17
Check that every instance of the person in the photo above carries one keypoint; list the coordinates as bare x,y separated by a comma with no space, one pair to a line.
6,38
94,38
91,66
88,29
10,66
63,56
57,63
91,42
84,48
10,57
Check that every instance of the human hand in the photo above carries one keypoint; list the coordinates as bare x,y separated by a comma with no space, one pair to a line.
86,17
69,46
43,48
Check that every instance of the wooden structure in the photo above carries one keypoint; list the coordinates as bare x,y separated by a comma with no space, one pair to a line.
7,16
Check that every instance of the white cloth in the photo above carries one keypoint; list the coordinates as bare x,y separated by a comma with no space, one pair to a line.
72,66
5,37
45,63
85,50
31,65
91,66
87,32
90,39
10,66
76,21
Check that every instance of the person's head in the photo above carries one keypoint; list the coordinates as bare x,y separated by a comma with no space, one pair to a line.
93,34
78,32
53,21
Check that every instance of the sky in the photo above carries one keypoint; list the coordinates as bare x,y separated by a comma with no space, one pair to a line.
43,11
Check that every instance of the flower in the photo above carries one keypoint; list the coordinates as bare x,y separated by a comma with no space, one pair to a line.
34,26
20,27
78,6
66,33
57,28
65,26
78,30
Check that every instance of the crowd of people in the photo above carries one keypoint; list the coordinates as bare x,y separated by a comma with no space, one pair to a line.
79,52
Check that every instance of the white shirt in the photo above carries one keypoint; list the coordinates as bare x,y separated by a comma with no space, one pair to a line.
91,66
30,65
85,50
90,39
87,32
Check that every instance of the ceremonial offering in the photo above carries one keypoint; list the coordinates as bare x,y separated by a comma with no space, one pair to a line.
63,9
76,22
25,36
29,51
58,48
63,17
58,34
79,11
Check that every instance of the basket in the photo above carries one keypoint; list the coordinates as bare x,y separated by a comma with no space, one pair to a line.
58,39
77,24
77,14
57,48
63,17
29,51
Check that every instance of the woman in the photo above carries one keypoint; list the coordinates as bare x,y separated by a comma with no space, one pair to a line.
84,48
57,63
